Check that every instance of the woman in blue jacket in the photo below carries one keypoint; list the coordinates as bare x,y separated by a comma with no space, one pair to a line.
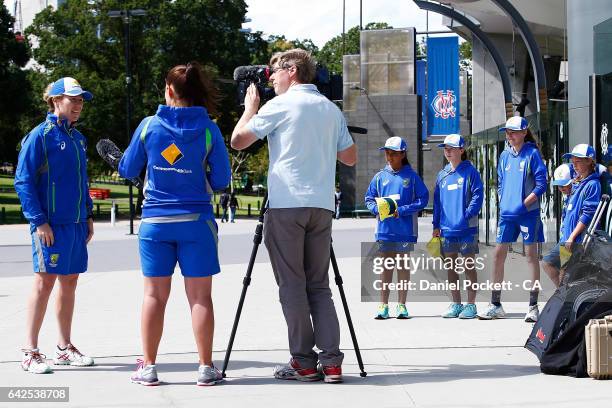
457,202
185,159
521,181
397,233
51,182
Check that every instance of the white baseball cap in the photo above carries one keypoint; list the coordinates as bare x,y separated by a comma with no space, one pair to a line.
453,140
515,123
395,143
581,150
563,176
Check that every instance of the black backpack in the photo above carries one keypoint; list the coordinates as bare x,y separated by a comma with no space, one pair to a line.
566,306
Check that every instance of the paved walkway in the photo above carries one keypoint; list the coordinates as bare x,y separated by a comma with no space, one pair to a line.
422,362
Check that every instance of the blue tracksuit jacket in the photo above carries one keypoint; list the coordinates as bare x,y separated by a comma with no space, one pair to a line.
411,194
457,200
51,176
518,175
185,158
581,206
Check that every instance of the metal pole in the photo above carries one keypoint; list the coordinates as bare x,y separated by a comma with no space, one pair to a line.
360,15
128,82
343,27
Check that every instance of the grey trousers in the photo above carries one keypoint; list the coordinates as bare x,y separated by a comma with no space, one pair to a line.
298,242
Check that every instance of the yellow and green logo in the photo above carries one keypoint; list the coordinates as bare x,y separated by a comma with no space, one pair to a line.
172,154
54,258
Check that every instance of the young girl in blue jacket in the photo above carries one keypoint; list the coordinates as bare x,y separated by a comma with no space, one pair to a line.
396,234
584,198
457,202
185,159
521,182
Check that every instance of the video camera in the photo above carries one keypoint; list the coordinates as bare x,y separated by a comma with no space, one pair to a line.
253,74
329,85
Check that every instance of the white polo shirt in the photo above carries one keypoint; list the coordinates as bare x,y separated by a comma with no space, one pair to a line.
305,132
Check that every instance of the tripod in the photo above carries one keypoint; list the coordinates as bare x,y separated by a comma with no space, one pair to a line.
247,281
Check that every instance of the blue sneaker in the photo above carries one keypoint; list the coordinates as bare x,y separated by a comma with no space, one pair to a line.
383,312
401,311
493,312
454,309
468,312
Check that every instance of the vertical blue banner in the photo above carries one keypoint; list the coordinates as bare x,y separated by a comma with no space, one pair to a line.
421,89
442,86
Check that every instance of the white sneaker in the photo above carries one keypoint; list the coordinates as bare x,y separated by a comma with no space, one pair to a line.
145,374
71,356
492,312
209,375
34,362
533,314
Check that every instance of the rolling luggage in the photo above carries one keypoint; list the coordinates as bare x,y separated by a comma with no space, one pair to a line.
598,342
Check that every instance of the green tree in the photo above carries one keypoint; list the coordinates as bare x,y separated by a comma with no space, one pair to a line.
13,82
279,43
465,56
333,50
79,39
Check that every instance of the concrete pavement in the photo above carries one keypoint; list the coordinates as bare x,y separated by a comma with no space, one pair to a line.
424,362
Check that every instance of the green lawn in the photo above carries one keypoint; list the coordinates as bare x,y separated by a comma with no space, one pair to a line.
10,208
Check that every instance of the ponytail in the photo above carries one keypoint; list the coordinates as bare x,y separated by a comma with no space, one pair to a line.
529,137
193,85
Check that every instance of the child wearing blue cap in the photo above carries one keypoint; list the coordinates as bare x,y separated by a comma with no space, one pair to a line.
396,234
551,261
457,201
186,160
521,181
51,182
585,195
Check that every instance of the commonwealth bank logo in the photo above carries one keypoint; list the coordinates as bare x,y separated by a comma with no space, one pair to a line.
172,154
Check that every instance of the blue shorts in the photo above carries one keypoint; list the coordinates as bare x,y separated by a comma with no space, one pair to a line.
465,245
553,256
192,243
531,229
399,247
67,255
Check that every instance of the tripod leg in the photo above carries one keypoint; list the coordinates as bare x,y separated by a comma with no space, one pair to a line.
349,321
245,285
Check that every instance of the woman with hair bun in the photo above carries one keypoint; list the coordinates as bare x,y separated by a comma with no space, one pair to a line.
185,158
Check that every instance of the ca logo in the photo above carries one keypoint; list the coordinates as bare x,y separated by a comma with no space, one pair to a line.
63,145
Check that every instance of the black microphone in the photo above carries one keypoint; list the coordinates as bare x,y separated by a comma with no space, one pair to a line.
357,129
110,153
248,72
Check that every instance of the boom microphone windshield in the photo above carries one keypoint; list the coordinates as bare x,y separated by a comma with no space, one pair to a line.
251,72
110,153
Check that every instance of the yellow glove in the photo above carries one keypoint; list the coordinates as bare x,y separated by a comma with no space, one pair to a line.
386,207
434,247
564,254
